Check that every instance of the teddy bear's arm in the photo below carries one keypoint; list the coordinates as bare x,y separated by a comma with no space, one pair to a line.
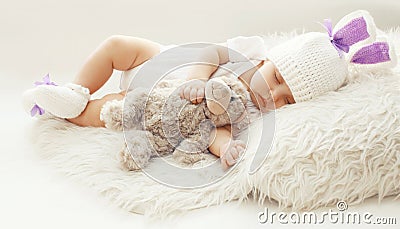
218,96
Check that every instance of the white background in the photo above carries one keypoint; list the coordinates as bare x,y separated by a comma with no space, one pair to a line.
45,36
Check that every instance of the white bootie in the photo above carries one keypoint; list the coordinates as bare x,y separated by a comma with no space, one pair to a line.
28,101
62,101
30,106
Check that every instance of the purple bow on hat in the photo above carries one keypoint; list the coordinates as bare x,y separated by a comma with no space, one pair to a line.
351,33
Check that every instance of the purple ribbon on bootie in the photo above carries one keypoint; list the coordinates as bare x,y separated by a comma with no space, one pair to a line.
36,109
46,81
351,33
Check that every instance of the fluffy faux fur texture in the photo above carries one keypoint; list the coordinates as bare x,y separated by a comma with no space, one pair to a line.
342,146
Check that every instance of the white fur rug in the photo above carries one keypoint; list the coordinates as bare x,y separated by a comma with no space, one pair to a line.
342,146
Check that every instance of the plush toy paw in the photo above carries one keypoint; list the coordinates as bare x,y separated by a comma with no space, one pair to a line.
218,96
134,106
190,151
231,152
187,158
126,160
137,153
111,114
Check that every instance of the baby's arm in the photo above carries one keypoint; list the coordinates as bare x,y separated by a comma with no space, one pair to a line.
223,146
212,56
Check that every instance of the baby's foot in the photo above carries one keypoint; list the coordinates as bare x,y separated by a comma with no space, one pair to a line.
62,101
231,152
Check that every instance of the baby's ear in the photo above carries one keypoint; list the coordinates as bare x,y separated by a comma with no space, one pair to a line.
378,54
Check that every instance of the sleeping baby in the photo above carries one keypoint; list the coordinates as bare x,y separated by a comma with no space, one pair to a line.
297,70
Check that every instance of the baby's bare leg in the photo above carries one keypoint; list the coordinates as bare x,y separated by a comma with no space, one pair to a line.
117,52
91,115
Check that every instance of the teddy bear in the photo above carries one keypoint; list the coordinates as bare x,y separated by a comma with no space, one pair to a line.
160,122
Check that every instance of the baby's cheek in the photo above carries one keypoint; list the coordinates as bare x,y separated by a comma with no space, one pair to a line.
258,84
252,84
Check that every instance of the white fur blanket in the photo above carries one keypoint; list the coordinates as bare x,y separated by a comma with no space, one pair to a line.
343,146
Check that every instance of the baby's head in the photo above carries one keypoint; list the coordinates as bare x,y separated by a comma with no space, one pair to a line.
313,64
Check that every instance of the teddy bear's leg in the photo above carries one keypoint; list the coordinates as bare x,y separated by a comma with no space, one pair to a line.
127,113
189,152
137,150
218,96
111,114
134,107
126,160
193,149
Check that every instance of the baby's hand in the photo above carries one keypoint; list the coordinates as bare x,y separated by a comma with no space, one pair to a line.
231,152
193,90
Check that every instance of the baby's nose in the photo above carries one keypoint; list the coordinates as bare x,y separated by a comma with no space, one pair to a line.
270,99
275,95
269,96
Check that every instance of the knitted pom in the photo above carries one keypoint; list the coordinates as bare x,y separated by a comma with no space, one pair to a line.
358,26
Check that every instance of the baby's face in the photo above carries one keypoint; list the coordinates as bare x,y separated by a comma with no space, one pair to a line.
268,89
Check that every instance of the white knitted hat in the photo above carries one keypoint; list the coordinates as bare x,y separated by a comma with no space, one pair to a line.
313,63
310,65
